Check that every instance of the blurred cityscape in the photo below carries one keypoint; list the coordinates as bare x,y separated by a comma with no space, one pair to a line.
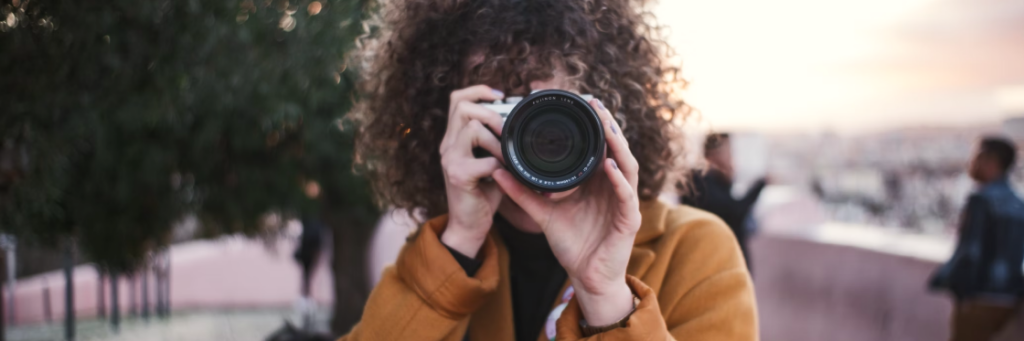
910,178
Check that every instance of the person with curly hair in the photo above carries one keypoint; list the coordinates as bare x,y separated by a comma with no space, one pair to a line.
496,260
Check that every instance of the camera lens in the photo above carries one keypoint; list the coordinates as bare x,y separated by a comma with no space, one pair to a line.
552,140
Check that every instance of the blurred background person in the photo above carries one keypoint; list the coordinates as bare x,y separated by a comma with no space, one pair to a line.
711,190
985,272
307,254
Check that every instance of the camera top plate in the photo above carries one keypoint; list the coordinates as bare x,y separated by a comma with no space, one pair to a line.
504,107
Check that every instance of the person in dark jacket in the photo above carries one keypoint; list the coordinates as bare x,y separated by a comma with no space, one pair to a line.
711,190
985,272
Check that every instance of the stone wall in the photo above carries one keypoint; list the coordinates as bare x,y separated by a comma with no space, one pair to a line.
810,290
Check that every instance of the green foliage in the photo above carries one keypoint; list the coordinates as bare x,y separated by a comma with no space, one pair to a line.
134,113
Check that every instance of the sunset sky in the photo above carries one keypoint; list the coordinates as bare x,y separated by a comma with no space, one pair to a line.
849,66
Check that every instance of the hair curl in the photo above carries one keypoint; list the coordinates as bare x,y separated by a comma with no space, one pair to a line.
419,51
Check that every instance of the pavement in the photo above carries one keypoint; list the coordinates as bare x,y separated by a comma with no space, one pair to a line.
231,288
222,325
233,273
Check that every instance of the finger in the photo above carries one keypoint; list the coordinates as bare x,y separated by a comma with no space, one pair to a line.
476,135
617,143
467,111
469,171
459,115
534,204
608,121
473,94
624,190
482,168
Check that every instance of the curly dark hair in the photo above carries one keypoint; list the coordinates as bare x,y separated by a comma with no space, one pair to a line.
421,50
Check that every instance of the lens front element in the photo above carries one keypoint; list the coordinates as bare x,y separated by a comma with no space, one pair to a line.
552,142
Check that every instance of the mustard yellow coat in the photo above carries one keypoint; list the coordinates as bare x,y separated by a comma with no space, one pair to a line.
685,267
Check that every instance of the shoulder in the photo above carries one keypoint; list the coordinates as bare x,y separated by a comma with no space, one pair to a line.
980,200
660,218
1000,200
996,192
688,217
687,230
696,232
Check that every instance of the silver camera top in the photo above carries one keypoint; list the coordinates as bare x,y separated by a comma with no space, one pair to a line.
504,107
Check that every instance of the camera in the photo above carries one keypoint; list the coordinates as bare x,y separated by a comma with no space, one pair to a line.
552,139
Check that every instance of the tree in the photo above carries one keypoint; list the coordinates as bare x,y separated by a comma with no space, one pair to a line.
130,114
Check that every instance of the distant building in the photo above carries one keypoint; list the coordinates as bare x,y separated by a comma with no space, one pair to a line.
750,159
1014,127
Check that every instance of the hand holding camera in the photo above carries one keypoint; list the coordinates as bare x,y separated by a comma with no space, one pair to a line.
590,229
472,201
552,141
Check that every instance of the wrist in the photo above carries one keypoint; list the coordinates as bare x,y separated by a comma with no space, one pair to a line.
464,240
605,305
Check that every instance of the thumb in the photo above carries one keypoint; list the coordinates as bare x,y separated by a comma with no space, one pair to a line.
534,204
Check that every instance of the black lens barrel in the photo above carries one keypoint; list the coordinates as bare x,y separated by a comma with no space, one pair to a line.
553,141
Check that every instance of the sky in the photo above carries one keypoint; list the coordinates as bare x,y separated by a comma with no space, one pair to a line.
848,66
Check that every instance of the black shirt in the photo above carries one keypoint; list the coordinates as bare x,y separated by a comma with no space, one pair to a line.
534,273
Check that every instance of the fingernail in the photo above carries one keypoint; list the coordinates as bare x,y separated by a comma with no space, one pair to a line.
600,104
498,93
614,131
615,165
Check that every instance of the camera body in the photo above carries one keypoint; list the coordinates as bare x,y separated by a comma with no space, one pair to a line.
552,140
505,107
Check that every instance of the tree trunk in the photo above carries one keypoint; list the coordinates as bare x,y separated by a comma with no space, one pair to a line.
115,308
163,284
158,290
3,322
131,295
69,291
101,291
162,281
11,275
349,247
47,307
167,282
145,292
158,296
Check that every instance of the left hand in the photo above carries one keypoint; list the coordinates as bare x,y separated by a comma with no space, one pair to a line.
591,230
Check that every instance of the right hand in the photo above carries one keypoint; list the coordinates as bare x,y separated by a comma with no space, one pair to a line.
472,197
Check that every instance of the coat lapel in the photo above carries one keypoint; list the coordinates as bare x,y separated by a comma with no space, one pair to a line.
493,321
639,260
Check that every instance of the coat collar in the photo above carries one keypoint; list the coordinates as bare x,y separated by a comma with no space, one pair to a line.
652,223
